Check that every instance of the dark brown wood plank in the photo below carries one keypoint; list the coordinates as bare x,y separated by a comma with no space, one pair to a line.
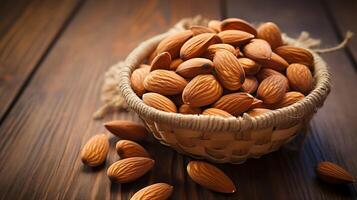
287,174
27,29
44,132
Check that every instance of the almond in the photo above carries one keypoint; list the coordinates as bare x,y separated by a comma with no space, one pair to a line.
210,177
270,32
173,43
197,45
288,99
238,24
157,191
194,66
257,111
161,61
127,129
276,62
159,102
234,103
265,73
296,55
202,91
175,63
164,82
333,173
258,50
250,84
235,37
272,89
127,149
211,50
215,25
196,30
137,80
300,78
187,109
95,151
250,66
129,169
216,112
257,103
228,70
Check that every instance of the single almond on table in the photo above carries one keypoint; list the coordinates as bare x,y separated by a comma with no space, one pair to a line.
196,29
258,50
235,37
276,62
95,151
300,78
294,54
288,99
127,129
228,70
194,66
216,112
159,102
250,66
272,89
270,32
211,50
250,84
333,173
161,61
197,45
137,80
238,24
127,149
173,43
129,169
164,82
210,177
266,72
202,90
187,109
157,191
215,25
234,103
175,63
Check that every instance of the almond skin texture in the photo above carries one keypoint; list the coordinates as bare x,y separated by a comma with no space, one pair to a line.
235,37
228,70
272,89
196,30
129,169
296,55
95,150
159,102
257,103
215,25
276,62
175,63
235,103
157,191
270,32
211,51
238,24
137,80
332,173
288,99
194,66
173,43
250,66
265,73
216,112
164,82
210,177
197,45
258,50
202,91
250,84
127,149
161,61
127,129
257,111
300,78
186,109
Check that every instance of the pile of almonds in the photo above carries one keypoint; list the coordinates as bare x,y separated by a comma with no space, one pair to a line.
225,69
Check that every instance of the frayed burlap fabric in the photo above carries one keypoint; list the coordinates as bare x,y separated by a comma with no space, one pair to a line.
210,137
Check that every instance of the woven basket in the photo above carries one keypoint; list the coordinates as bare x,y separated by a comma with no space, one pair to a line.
219,139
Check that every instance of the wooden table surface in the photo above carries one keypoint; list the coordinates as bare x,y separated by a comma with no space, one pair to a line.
53,55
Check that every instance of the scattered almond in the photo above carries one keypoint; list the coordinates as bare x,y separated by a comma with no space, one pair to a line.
276,62
137,80
288,99
234,103
235,37
250,84
266,72
300,78
333,173
216,112
197,45
187,109
258,50
272,89
296,55
211,50
250,66
173,43
127,149
270,32
257,103
157,191
127,129
95,151
238,24
161,61
215,25
257,111
194,66
175,63
159,102
164,82
196,30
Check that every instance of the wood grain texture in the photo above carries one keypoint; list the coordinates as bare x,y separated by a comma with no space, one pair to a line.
43,134
27,29
289,175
